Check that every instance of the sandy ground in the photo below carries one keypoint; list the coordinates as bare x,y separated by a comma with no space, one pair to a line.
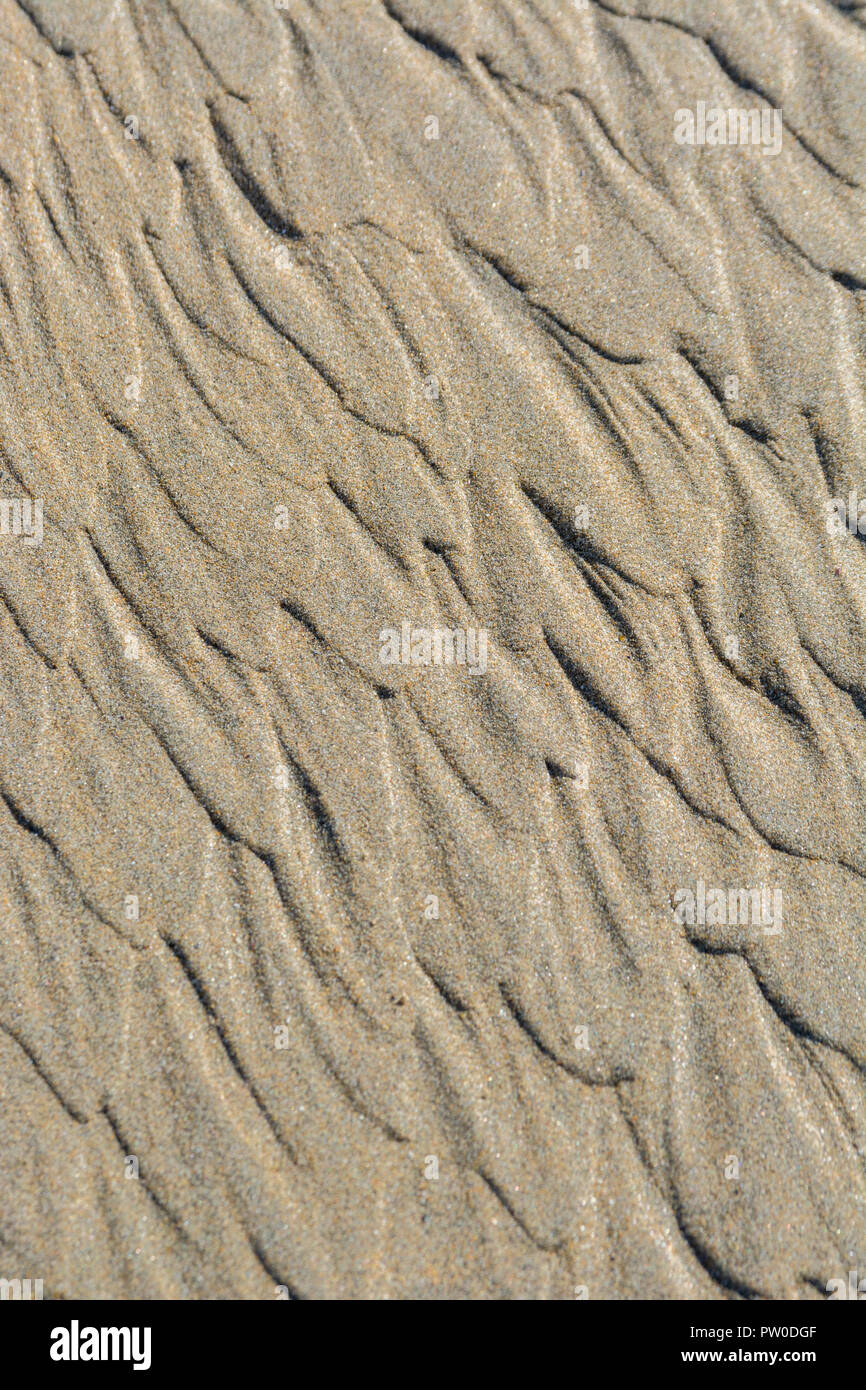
432,661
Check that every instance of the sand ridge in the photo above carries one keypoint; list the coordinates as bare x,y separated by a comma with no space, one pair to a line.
406,978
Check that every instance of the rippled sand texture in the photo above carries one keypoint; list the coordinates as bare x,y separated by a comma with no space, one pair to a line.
552,375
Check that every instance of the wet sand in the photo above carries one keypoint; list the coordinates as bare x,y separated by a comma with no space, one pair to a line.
433,651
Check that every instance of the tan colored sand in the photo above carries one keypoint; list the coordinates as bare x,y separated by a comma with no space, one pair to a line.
376,979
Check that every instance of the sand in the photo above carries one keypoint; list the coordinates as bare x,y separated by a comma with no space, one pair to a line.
432,648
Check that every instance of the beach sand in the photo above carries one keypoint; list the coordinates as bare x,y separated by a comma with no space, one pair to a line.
432,648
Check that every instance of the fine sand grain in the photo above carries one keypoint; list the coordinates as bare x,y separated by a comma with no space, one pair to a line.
432,648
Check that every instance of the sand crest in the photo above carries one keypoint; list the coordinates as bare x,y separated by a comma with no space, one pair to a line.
432,648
